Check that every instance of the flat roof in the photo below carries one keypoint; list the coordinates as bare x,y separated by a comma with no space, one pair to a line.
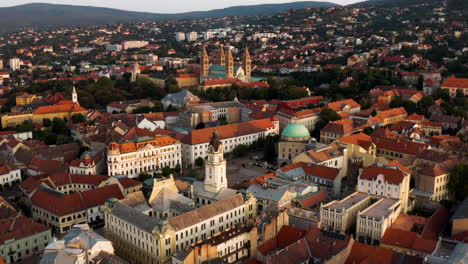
347,202
380,209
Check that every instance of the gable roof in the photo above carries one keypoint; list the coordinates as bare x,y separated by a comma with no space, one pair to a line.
193,217
228,131
391,175
60,204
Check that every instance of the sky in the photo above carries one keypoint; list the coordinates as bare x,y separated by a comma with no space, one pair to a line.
161,6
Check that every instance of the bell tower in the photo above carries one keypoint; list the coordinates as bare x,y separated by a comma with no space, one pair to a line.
222,56
247,64
205,67
74,96
215,168
229,64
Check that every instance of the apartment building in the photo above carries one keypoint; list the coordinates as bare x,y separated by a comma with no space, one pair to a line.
372,222
392,181
340,216
20,236
9,175
456,86
61,211
230,246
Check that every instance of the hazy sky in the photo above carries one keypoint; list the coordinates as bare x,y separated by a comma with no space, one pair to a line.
161,6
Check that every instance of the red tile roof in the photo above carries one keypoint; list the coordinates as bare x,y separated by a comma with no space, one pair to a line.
228,131
338,106
285,237
392,176
221,81
67,204
436,224
367,254
392,113
320,171
360,139
399,145
343,126
408,240
59,108
453,82
18,227
313,200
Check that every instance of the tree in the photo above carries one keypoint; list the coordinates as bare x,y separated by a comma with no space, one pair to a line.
143,177
199,161
327,115
269,150
46,122
166,171
396,102
458,182
50,138
368,130
177,168
58,126
240,150
78,118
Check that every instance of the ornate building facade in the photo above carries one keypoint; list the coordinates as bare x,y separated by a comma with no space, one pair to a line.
224,73
143,155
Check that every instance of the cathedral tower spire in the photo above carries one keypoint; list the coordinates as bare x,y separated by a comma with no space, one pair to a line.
205,65
222,56
229,64
247,64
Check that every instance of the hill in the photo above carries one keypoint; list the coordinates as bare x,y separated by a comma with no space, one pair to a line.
46,16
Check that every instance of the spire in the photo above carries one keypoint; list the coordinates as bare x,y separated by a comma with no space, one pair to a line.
222,55
74,96
229,64
205,64
215,141
247,64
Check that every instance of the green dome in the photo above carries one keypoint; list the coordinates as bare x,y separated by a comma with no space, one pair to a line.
295,130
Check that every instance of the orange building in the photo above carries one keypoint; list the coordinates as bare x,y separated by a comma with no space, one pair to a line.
456,85
392,116
64,109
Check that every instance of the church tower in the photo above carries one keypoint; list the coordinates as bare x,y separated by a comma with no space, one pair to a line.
215,166
205,65
74,96
247,65
229,64
222,56
135,72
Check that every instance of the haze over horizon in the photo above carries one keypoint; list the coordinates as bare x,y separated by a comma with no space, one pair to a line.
175,6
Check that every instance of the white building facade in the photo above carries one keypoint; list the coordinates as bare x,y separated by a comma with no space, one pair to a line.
195,144
143,156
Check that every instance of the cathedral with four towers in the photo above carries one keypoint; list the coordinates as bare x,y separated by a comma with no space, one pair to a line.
226,72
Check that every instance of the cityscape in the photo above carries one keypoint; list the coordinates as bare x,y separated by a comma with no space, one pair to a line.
262,133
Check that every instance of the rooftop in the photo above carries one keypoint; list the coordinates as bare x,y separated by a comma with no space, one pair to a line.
381,209
347,202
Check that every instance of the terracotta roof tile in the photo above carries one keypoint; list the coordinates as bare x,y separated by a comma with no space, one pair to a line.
67,204
228,131
392,176
338,106
59,108
453,82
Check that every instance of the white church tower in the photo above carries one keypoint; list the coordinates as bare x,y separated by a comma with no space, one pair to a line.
215,166
75,96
